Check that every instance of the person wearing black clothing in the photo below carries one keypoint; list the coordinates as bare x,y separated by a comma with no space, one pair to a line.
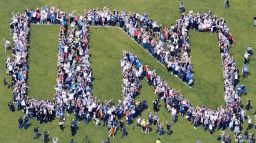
168,127
181,7
155,105
41,117
11,106
25,121
73,127
36,133
246,135
226,4
250,51
45,137
251,139
121,124
87,118
124,133
5,82
20,120
248,105
105,119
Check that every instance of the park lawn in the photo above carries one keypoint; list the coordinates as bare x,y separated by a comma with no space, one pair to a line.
106,46
113,41
43,61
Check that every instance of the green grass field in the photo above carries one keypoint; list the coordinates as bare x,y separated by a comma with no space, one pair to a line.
106,49
43,61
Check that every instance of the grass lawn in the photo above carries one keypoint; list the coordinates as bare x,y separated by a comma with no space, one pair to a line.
43,61
106,49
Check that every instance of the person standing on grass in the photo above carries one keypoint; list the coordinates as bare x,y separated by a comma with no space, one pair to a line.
160,130
148,124
123,130
105,119
5,82
250,125
121,124
87,118
61,124
168,128
226,4
20,121
251,139
7,45
248,105
249,50
11,106
247,55
138,122
246,135
173,114
73,127
26,122
45,137
181,7
36,133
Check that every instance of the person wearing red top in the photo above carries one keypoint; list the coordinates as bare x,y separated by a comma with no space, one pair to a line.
38,15
136,33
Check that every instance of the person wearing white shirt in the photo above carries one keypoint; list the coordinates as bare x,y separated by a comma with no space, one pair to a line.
173,113
7,45
249,123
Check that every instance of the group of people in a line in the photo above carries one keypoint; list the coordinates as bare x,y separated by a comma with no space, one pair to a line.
74,80
132,70
46,15
224,117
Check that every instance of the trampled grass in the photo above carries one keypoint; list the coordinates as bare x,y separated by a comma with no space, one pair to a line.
106,46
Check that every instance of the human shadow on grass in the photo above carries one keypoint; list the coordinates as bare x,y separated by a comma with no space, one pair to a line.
27,126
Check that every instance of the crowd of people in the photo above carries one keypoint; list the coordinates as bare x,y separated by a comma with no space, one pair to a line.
174,103
202,22
224,117
46,15
131,86
74,88
231,116
169,45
